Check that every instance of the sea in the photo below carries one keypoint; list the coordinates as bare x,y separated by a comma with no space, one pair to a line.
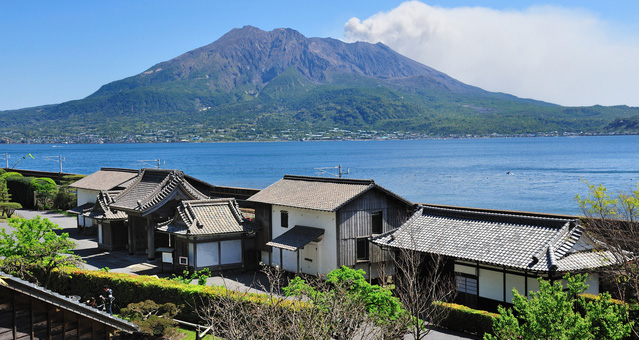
536,174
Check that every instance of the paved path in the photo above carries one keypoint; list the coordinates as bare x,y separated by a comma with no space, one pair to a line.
121,262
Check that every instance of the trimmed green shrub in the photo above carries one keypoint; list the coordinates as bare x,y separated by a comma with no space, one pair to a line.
20,190
8,208
128,288
11,174
468,320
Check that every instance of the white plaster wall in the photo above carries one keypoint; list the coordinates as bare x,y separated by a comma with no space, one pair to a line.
593,281
517,282
231,251
86,196
533,285
459,268
207,254
326,248
491,284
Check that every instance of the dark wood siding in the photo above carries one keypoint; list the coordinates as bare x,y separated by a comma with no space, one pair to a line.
263,217
356,218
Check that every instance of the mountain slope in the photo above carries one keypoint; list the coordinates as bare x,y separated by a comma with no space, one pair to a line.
253,83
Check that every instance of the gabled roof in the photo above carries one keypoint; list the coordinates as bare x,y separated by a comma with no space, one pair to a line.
102,211
206,217
23,287
540,244
152,188
105,179
317,193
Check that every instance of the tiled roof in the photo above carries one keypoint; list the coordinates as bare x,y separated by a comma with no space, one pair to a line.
207,217
105,179
523,242
152,188
79,210
296,238
102,211
65,303
317,193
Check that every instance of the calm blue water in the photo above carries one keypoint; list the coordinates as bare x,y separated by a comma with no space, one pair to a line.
546,175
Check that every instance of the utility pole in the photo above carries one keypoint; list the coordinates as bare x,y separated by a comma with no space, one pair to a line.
326,170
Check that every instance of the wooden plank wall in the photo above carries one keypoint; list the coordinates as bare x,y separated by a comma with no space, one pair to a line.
356,222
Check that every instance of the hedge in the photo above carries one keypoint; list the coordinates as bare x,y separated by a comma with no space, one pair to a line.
20,190
128,288
468,320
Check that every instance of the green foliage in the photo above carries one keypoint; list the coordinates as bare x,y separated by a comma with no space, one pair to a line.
188,276
46,190
20,190
379,302
5,196
65,199
23,158
610,206
152,318
33,244
135,288
467,320
8,208
552,313
6,175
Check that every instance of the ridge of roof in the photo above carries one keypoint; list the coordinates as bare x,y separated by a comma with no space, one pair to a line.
162,191
119,169
505,217
329,180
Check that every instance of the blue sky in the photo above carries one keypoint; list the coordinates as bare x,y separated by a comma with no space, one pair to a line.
55,51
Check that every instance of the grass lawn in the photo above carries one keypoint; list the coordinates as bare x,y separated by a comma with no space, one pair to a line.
190,335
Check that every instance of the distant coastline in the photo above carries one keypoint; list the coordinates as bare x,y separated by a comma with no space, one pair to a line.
315,138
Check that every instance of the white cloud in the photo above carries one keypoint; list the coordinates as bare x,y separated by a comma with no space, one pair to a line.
560,55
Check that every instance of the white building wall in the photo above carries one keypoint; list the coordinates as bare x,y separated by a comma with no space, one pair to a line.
517,282
491,284
86,196
326,256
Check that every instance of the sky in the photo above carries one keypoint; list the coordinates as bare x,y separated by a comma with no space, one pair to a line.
574,53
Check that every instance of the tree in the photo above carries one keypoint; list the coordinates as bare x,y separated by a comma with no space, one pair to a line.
552,313
152,318
34,244
420,280
613,220
341,306
7,208
45,191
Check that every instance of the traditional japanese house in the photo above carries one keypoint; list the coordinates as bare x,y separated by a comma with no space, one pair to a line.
492,252
152,198
28,311
313,225
88,188
210,234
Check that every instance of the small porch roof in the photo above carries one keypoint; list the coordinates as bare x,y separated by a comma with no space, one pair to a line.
296,238
81,209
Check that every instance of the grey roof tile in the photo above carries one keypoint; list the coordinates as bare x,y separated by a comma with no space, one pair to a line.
105,179
207,217
317,193
152,188
515,241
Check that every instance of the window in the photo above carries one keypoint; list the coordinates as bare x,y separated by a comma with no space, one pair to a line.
466,284
362,249
284,218
377,222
